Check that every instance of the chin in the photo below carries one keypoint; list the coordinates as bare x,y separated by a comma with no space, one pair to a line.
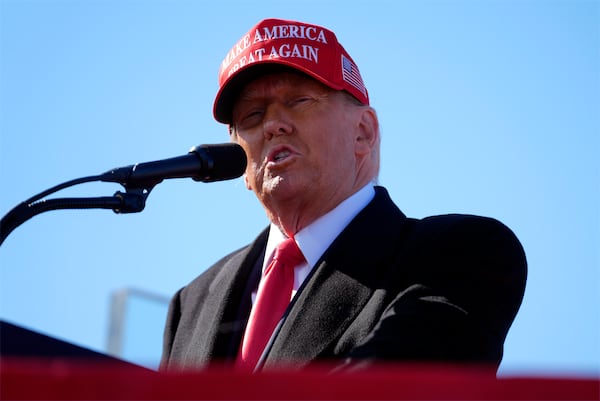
280,188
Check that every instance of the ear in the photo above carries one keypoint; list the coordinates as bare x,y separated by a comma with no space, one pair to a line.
367,136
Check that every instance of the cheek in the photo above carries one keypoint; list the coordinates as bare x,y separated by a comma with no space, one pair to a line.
250,146
253,171
250,168
336,147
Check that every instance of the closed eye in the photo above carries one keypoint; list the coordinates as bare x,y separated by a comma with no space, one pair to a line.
300,100
251,118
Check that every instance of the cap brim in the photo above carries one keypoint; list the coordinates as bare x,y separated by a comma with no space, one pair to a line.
230,90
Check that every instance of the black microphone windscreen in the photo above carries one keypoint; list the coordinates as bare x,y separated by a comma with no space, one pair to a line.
223,161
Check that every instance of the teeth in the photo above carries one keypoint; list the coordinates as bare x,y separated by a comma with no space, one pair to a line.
281,155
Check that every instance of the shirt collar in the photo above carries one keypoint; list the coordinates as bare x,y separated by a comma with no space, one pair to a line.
314,239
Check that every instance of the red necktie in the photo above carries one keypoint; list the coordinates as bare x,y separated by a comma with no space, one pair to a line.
272,299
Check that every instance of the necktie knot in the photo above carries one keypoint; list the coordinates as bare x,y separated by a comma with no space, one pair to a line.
288,254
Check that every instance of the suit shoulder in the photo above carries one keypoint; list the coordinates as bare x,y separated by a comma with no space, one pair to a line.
467,224
466,234
458,218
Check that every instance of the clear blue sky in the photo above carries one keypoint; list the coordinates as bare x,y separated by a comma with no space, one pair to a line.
486,107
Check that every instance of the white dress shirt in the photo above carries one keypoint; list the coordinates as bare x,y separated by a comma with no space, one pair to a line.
314,239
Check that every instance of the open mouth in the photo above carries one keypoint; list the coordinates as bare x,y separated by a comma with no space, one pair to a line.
280,154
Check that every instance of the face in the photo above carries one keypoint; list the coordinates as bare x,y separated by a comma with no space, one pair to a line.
301,141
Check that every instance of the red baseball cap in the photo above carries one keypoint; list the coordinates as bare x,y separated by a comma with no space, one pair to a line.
308,48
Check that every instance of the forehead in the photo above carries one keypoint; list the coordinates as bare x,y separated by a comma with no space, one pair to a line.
279,82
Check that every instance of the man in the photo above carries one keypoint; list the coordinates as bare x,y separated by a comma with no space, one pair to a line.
369,284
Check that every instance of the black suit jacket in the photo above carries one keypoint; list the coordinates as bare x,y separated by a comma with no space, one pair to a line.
389,288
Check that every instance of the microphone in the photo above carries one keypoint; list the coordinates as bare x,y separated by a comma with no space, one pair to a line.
206,163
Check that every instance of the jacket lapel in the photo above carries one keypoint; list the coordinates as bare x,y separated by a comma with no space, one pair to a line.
340,285
222,319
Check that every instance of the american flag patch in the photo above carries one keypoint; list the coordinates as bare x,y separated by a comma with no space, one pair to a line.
351,75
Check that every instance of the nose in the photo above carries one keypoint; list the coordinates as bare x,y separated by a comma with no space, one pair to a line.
276,122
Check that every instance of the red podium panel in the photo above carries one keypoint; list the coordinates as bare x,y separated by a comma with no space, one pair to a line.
76,380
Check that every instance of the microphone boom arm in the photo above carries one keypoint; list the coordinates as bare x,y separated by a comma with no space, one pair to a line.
133,200
206,163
